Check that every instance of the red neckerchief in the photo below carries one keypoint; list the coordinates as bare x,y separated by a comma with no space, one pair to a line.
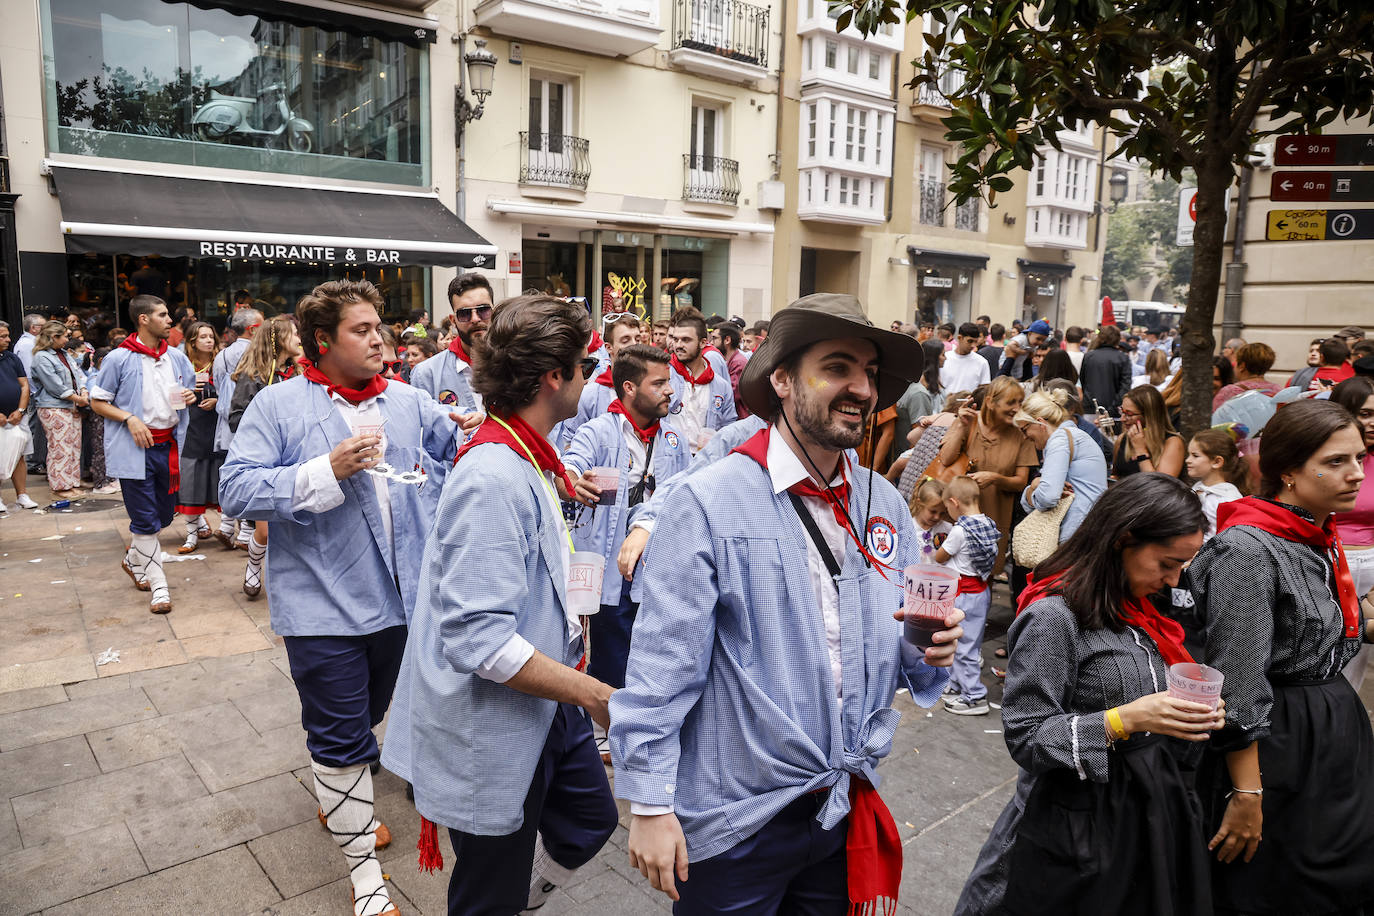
605,378
132,343
596,343
1282,523
873,851
644,434
545,458
375,386
705,378
455,346
1166,632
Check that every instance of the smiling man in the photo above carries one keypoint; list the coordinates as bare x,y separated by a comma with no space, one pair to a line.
348,470
703,399
447,377
766,654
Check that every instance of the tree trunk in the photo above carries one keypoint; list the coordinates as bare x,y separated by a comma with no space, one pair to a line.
1215,173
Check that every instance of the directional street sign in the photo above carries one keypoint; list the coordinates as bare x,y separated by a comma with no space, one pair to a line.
1329,149
1337,186
1320,225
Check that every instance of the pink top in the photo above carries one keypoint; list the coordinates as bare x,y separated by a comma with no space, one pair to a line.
1356,527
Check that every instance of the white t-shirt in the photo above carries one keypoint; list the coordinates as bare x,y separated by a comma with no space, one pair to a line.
929,540
959,559
1212,497
964,373
1075,357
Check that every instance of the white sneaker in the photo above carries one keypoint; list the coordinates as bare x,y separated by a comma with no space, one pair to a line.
3,510
107,489
24,502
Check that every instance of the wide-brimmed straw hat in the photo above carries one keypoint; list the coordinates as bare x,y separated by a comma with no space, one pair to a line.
828,316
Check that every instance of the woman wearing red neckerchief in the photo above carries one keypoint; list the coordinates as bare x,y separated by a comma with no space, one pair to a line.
1292,799
1105,809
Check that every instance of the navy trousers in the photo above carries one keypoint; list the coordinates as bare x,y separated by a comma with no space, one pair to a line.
611,630
569,803
345,685
151,508
790,867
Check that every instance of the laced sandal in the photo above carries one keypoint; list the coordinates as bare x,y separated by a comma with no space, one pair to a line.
140,581
381,832
161,602
190,544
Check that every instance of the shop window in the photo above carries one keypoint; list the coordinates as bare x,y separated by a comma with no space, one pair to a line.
172,82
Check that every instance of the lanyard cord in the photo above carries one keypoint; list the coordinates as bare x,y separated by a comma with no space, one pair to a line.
530,455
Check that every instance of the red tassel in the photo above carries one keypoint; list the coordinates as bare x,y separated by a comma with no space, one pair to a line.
431,859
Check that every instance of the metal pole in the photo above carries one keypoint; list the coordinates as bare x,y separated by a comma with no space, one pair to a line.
1235,271
594,294
651,311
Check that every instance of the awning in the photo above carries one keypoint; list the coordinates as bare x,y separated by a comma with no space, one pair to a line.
947,258
111,212
1045,267
328,14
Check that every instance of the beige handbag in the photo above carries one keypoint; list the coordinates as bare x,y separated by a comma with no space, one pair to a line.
1037,536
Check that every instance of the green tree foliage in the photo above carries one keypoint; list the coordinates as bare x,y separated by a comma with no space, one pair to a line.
1140,243
1032,69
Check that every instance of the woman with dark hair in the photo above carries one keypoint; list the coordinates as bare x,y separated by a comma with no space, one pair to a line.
1356,527
1105,813
1106,372
1291,790
1057,365
198,462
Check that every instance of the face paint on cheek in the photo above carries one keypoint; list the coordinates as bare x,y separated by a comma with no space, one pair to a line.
815,384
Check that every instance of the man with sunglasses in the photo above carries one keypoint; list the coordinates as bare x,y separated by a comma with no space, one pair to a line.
448,376
622,330
634,437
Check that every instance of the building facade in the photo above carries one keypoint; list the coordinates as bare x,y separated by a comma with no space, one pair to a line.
196,149
627,153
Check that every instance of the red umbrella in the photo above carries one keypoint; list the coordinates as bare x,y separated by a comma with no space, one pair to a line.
1108,316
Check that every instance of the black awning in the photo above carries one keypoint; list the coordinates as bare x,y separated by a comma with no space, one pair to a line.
411,33
947,258
120,213
1045,267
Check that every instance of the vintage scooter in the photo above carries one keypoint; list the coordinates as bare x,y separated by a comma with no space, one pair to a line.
225,116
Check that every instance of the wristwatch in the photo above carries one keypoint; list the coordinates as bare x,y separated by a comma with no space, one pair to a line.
1141,457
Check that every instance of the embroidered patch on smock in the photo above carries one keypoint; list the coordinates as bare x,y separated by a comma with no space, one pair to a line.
882,538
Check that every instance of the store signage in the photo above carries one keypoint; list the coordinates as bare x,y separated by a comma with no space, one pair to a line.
1320,225
938,282
1044,290
1333,149
516,263
1338,186
256,252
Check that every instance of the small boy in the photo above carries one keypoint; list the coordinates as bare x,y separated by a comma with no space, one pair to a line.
970,549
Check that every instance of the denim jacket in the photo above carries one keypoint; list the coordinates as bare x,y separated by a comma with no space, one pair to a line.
52,383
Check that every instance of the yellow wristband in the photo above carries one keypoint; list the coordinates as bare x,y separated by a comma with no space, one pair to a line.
1115,729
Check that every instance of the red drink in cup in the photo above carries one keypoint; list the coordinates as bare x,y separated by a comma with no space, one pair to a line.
930,591
608,481
1195,683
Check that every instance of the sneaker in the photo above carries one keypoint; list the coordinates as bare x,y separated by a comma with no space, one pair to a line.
950,690
3,511
108,489
24,502
960,706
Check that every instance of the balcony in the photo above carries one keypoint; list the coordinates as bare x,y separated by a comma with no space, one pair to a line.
710,184
832,196
554,166
932,99
932,202
722,39
613,28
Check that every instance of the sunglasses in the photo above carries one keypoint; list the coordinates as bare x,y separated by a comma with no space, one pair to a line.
477,311
393,366
612,317
588,366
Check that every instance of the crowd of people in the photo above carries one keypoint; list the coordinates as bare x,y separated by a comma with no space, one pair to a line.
677,549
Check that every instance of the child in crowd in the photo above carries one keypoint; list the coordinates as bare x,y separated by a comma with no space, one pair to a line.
1216,465
927,507
971,550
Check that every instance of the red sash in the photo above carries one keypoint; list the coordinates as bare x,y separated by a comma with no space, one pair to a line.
173,461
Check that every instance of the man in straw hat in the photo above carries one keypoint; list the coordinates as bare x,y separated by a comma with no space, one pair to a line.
766,654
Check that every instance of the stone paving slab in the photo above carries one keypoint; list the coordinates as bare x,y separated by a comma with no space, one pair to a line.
151,739
16,700
203,687
235,763
42,766
227,883
270,709
72,867
75,717
170,834
76,806
9,831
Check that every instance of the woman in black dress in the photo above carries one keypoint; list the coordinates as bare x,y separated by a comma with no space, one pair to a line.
1292,799
199,463
1105,817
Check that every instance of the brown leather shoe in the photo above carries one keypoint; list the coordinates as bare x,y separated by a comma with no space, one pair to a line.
382,833
141,586
162,607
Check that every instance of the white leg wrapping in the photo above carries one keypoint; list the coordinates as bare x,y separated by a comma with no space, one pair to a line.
545,877
149,564
245,532
194,524
252,572
345,796
228,525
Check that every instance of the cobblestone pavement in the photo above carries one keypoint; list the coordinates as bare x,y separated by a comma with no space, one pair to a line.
176,780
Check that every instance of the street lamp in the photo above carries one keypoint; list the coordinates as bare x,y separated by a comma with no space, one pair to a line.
1117,186
481,70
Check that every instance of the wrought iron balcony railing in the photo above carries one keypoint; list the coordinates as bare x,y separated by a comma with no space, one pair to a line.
710,179
554,159
729,28
966,215
932,212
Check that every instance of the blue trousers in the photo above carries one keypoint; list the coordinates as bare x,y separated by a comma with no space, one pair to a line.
151,508
791,867
611,630
965,674
569,803
345,685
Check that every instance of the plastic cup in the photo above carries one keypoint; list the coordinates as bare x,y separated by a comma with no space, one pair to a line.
1195,683
369,429
585,569
178,396
930,591
608,479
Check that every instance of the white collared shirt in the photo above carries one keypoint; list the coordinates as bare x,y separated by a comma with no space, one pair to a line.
696,404
784,470
159,378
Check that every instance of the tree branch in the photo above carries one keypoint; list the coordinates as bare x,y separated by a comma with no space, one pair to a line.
1156,118
1171,43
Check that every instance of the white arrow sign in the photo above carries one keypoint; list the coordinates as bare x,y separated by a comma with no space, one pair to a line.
1290,149
1285,184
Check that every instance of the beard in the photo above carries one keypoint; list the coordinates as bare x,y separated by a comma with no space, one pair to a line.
470,336
817,423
